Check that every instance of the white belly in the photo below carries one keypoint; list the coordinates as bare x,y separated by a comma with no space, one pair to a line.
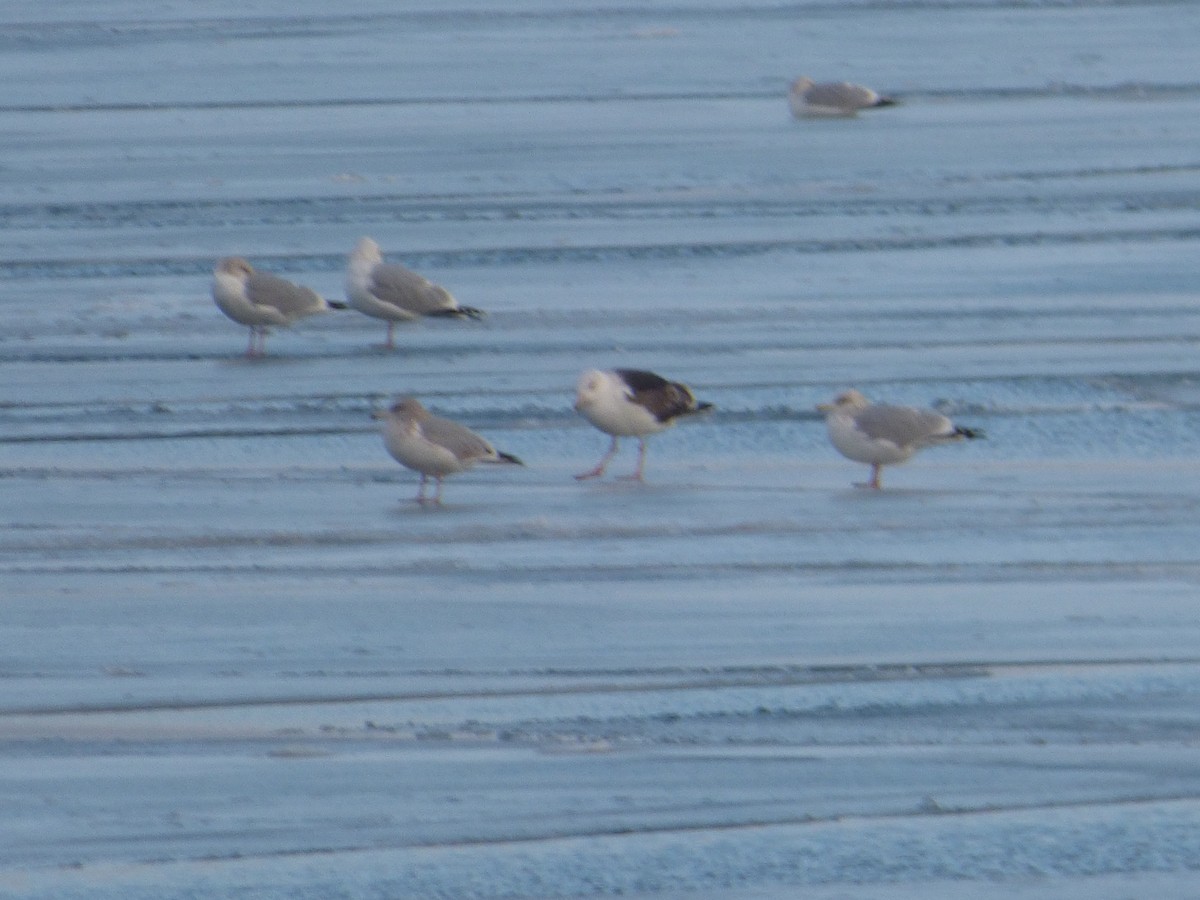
412,450
855,445
360,297
229,293
621,418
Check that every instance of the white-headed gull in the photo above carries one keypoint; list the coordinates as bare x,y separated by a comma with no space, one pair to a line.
260,300
394,293
631,403
882,435
808,98
433,446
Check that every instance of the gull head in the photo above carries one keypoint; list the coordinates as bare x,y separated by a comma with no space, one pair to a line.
234,266
404,409
367,250
846,402
590,388
801,84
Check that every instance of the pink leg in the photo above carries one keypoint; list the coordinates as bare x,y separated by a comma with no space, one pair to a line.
437,495
603,464
390,343
639,473
421,490
874,483
252,349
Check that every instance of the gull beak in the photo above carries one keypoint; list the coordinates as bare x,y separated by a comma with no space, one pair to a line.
825,408
379,414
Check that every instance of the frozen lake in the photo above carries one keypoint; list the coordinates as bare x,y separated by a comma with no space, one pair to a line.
238,661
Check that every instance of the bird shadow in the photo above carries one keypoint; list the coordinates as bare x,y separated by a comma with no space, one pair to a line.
270,359
867,494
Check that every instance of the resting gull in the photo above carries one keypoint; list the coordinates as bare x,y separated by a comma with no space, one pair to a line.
631,403
394,293
260,300
433,446
831,99
883,435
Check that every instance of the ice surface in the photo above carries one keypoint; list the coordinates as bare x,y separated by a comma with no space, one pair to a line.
237,661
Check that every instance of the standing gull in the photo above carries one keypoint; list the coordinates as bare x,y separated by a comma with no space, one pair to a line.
425,443
260,300
394,293
832,99
883,435
631,403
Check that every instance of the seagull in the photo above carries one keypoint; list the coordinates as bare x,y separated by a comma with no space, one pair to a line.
631,403
883,435
260,300
832,99
431,445
394,293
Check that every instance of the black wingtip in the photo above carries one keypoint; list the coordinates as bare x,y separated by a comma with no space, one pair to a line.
698,410
970,434
509,458
886,101
337,304
458,312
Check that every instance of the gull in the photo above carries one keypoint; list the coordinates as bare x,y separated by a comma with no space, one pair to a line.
631,403
883,435
394,293
433,446
259,300
832,98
